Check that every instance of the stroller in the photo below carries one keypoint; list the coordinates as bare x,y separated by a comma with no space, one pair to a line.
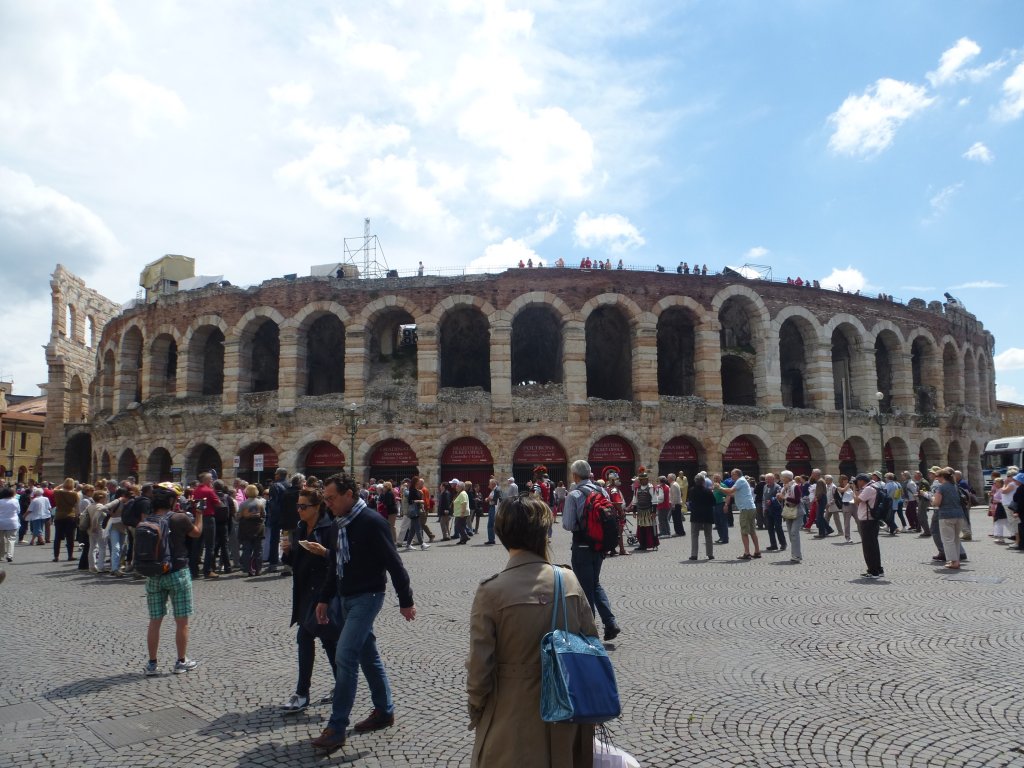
629,534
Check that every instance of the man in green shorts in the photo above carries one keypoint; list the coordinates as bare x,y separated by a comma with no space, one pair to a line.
176,584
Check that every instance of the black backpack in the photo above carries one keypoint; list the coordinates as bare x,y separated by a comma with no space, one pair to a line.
153,546
131,513
883,504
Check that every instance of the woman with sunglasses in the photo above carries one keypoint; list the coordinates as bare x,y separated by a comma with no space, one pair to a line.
309,569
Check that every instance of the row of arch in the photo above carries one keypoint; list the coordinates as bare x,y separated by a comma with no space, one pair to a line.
470,457
738,354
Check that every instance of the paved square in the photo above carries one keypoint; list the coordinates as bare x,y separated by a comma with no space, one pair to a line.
721,663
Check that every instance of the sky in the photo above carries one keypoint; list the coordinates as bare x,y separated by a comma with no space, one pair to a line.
877,145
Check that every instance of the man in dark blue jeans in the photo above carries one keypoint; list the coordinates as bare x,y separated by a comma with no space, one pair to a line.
586,563
361,553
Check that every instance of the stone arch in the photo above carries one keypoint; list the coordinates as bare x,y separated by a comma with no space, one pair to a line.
609,351
542,298
204,343
107,381
738,385
127,464
743,326
751,465
952,375
854,455
163,363
158,465
983,382
129,385
464,345
897,455
537,342
677,349
955,455
924,371
73,331
820,446
77,456
973,471
201,456
971,390
105,465
929,455
846,338
794,333
630,309
888,353
76,401
319,331
258,334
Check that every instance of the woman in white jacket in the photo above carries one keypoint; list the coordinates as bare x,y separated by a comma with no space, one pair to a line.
38,514
10,512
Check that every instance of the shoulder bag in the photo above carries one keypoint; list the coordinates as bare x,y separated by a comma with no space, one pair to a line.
577,678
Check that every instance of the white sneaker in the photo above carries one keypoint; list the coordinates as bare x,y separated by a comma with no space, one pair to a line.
185,666
296,703
424,547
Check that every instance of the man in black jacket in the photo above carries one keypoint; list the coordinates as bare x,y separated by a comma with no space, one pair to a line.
362,554
290,514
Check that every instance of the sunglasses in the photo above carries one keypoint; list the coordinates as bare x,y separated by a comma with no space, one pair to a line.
304,506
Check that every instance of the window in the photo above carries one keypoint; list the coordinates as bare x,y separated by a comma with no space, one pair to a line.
3,439
24,440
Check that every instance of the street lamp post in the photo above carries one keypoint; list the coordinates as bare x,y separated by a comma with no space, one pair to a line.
353,428
882,419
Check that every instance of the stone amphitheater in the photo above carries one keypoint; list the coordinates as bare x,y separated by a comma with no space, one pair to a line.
477,375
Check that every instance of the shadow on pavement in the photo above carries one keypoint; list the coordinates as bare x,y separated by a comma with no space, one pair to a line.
92,685
298,753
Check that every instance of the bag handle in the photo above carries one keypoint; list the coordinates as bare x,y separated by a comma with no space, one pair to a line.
559,597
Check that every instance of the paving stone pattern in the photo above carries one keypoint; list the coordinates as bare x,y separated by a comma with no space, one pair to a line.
724,663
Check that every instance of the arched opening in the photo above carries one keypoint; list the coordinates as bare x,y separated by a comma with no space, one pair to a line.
849,464
393,460
742,454
204,458
107,382
798,457
539,450
679,456
467,459
23,474
76,402
260,356
676,345
886,349
984,385
205,375
90,332
536,347
392,343
70,317
163,370
955,456
930,455
325,356
737,381
609,355
464,346
952,377
897,455
973,472
128,465
323,459
257,463
130,384
158,466
922,363
842,367
970,384
105,465
78,456
614,454
792,365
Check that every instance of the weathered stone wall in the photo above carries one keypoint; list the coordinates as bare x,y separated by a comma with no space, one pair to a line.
957,352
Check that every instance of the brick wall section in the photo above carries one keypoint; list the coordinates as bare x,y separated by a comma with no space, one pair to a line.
501,419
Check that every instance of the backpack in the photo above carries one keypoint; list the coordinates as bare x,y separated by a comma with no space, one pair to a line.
644,500
967,499
130,515
883,505
222,512
598,524
153,546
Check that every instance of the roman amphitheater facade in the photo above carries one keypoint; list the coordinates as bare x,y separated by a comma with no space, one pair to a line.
493,373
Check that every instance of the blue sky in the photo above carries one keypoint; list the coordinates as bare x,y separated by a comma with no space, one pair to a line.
876,144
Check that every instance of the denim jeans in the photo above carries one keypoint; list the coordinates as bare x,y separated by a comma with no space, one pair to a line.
357,649
490,524
115,537
586,564
307,654
794,537
721,523
272,545
776,531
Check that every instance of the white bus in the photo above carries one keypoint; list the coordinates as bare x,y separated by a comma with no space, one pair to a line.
999,454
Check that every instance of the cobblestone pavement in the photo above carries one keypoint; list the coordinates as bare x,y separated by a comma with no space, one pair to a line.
720,663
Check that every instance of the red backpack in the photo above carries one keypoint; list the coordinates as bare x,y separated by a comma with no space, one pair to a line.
598,523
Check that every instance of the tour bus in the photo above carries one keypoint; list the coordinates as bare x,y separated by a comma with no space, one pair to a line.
999,454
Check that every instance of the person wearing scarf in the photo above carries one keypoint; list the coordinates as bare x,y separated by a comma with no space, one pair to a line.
364,553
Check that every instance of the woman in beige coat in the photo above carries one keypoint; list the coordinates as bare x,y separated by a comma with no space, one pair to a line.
511,613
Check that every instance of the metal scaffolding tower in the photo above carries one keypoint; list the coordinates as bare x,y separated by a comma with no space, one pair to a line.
366,254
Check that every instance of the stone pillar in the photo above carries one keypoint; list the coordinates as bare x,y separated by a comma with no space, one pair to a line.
501,360
291,369
707,362
933,377
232,374
819,388
863,376
767,371
574,357
426,364
645,365
357,364
902,382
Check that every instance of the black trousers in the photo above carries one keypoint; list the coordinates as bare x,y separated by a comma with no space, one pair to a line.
869,543
677,520
65,533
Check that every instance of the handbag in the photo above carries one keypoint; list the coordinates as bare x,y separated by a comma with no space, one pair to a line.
577,678
789,511
316,629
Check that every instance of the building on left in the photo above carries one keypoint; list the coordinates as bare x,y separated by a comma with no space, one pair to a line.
22,418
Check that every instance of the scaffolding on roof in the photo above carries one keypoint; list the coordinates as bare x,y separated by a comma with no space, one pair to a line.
366,254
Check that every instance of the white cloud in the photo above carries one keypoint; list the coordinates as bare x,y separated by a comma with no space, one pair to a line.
291,94
757,252
865,125
979,152
1011,359
1008,393
1012,105
941,200
978,284
150,105
850,279
546,227
612,231
952,60
504,255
